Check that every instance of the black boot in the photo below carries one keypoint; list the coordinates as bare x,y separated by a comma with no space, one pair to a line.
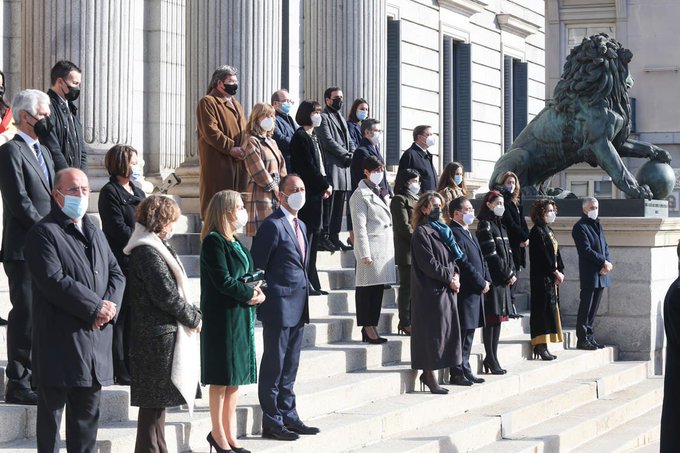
513,311
490,365
496,339
541,350
325,245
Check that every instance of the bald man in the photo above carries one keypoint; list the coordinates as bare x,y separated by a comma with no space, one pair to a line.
78,289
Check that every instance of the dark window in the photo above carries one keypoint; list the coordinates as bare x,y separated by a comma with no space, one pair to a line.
456,136
393,121
515,99
285,43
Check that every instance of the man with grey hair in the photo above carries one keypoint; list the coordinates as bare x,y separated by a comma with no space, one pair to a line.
285,124
26,179
220,123
594,266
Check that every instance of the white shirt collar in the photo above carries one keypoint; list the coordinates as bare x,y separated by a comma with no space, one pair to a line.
289,216
30,141
461,224
421,148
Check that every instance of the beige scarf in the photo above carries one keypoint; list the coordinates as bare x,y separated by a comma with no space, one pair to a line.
186,361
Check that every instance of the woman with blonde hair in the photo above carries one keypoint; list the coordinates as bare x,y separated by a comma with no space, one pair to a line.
515,224
265,165
451,185
228,305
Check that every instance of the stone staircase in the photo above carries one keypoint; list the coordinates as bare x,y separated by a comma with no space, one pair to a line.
366,397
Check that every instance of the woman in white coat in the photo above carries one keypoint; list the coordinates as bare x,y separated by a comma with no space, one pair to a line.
373,248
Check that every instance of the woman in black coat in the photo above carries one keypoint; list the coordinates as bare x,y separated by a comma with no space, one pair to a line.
670,413
515,224
118,201
307,162
492,235
546,276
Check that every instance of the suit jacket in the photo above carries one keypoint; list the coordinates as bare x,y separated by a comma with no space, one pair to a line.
219,125
474,273
305,161
354,133
365,150
419,160
401,208
276,250
593,250
283,134
65,140
72,274
337,147
26,194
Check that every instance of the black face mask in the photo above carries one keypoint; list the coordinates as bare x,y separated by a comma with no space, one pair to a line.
337,103
230,89
73,93
42,126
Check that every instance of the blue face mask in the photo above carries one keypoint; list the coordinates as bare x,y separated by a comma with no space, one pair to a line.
74,207
458,179
285,107
136,174
362,114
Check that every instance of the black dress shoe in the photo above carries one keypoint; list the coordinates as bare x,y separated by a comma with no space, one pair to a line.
586,345
301,428
339,244
474,379
459,379
325,245
3,322
23,396
279,433
596,344
315,292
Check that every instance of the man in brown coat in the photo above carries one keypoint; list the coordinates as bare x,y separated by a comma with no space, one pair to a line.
220,123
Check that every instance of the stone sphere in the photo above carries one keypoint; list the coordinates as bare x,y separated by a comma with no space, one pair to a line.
659,176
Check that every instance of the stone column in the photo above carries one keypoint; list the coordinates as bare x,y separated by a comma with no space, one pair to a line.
239,33
10,48
345,45
98,37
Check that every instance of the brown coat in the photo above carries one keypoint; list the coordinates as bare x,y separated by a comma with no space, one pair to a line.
219,125
265,166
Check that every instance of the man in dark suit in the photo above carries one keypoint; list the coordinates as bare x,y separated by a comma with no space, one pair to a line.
78,288
474,283
26,175
371,131
419,158
594,266
337,147
280,248
285,124
65,139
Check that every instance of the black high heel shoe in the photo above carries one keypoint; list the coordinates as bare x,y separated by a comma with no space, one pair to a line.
366,339
491,367
404,330
238,449
213,444
432,386
541,350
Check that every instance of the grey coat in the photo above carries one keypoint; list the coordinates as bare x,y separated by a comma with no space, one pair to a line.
435,328
337,147
156,306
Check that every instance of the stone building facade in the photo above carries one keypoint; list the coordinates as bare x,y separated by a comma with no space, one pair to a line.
473,69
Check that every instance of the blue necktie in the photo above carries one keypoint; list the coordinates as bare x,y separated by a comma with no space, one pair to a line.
41,161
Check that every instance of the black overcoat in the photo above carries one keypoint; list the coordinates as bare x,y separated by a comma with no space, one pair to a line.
670,415
474,273
593,250
544,261
305,162
516,226
493,239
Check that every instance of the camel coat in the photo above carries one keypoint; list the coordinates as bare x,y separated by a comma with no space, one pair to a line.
219,127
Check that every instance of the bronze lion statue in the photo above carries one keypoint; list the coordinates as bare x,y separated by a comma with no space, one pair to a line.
588,120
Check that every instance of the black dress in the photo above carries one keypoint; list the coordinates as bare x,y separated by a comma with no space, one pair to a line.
544,254
670,415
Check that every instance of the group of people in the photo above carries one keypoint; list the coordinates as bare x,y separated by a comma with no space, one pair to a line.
94,307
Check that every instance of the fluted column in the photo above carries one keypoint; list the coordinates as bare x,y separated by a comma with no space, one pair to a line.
97,36
345,45
245,34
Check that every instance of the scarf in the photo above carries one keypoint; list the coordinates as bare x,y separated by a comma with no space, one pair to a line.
446,235
186,361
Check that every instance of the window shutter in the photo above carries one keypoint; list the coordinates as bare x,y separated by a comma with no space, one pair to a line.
520,98
462,57
447,134
393,123
507,103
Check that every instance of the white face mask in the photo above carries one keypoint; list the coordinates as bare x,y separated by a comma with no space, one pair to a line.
499,210
376,178
316,119
593,214
296,200
241,219
267,124
468,218
376,138
429,141
415,187
550,217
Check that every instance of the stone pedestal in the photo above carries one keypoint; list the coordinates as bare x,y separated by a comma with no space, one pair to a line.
630,316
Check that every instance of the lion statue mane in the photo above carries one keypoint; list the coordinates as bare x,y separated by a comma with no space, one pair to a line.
588,120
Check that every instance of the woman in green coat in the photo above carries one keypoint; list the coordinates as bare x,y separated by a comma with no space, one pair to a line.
228,305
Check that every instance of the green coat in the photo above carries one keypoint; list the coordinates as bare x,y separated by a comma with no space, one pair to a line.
401,208
227,338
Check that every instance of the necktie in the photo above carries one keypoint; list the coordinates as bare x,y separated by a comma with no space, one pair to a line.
300,239
41,161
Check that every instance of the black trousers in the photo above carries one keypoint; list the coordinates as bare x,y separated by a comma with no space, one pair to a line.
466,337
151,431
121,341
82,418
368,300
587,309
20,325
404,295
313,240
333,209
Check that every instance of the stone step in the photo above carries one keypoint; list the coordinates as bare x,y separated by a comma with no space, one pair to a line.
642,431
654,447
575,428
186,243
